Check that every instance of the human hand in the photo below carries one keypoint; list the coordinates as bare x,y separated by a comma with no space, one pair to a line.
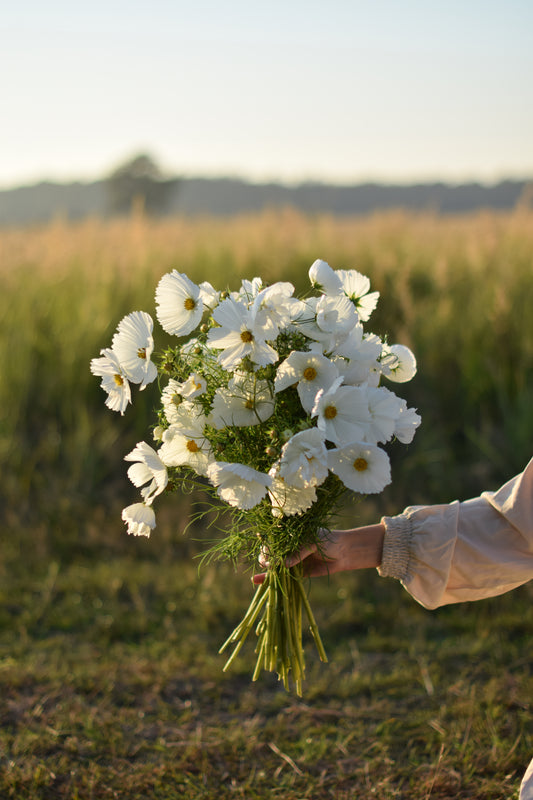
336,551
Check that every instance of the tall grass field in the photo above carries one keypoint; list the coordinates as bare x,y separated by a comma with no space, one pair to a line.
111,685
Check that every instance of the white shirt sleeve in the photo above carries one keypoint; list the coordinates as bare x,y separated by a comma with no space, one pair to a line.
465,550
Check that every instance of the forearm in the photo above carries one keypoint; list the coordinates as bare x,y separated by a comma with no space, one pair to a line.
357,548
338,551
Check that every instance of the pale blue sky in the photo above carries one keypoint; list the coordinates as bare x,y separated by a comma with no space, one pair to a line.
341,90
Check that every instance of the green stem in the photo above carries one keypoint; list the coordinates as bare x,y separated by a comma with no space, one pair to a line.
312,623
279,630
294,646
248,620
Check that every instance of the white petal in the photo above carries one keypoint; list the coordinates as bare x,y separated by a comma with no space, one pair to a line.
324,278
290,500
406,424
139,518
403,364
335,314
179,304
237,484
114,380
363,468
133,345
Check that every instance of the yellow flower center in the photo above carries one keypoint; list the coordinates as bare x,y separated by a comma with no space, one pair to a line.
360,464
247,337
141,352
309,373
119,380
189,304
192,447
330,412
249,404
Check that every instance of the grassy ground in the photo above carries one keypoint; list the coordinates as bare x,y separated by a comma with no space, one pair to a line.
112,687
110,681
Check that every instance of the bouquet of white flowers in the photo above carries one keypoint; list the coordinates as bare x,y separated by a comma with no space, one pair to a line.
274,404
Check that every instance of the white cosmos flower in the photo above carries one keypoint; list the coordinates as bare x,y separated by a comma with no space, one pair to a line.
148,469
288,500
248,290
245,401
304,459
133,345
406,424
398,363
273,307
209,296
326,319
139,518
237,484
194,386
311,372
172,399
186,445
177,398
304,320
179,304
335,315
114,380
342,412
239,335
324,278
357,288
360,353
362,467
385,408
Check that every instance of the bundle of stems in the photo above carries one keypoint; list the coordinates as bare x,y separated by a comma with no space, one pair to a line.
276,613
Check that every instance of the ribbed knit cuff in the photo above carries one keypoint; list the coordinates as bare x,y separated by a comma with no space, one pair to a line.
396,547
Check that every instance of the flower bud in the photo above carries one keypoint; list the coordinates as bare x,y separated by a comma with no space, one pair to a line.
303,425
247,365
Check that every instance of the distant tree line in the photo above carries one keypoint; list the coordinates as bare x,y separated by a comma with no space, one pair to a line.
139,184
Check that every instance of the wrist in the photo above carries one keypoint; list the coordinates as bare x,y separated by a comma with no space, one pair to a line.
360,548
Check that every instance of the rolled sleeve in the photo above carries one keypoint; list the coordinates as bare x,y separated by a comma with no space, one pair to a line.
463,551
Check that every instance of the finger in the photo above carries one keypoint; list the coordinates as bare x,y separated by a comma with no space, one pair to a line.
259,578
263,557
301,555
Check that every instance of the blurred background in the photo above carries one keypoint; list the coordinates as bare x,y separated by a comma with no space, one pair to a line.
236,139
239,139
